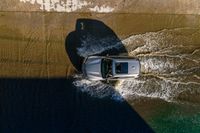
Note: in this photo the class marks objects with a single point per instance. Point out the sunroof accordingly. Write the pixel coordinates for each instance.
(121, 68)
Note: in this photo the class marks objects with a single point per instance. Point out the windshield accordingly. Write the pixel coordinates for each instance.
(106, 68)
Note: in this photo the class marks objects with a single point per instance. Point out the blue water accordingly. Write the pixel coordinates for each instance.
(176, 118)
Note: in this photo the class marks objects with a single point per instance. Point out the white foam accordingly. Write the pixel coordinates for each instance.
(91, 45)
(97, 89)
(68, 5)
(58, 5)
(154, 87)
(166, 71)
(102, 9)
(146, 86)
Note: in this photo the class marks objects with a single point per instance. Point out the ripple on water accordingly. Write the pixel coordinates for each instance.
(170, 66)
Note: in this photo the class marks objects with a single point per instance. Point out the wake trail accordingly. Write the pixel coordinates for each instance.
(170, 65)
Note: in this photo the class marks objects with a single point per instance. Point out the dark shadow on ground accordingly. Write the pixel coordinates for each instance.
(93, 35)
(57, 106)
(41, 105)
(94, 114)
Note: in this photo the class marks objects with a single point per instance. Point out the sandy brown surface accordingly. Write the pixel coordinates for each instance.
(33, 44)
(32, 40)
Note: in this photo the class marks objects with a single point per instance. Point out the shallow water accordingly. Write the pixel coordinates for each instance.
(170, 64)
(168, 47)
(170, 71)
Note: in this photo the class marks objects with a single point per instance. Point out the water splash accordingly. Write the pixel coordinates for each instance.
(170, 63)
(96, 89)
(156, 87)
(91, 45)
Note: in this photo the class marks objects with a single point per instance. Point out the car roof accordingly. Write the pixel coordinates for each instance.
(131, 64)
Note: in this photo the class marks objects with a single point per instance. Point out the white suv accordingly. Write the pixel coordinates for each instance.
(110, 67)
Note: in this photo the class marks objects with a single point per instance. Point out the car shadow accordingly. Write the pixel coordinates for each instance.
(91, 37)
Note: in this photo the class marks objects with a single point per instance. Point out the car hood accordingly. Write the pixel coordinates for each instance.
(93, 68)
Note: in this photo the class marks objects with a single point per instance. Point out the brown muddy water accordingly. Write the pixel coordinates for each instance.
(34, 56)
